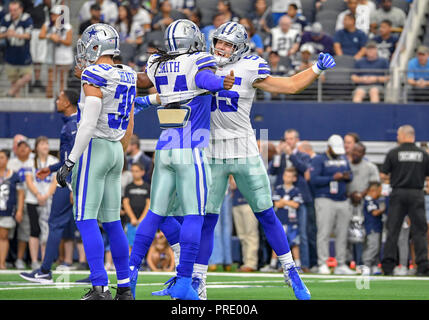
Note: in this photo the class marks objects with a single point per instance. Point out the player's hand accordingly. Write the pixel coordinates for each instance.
(325, 61)
(78, 72)
(141, 103)
(64, 172)
(229, 80)
(43, 173)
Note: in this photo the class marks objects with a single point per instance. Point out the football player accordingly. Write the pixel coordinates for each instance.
(105, 122)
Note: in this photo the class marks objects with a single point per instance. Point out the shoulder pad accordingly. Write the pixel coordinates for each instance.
(204, 60)
(96, 74)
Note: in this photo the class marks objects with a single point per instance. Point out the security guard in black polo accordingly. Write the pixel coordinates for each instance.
(408, 166)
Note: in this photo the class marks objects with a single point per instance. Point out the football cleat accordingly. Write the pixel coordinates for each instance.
(166, 291)
(124, 294)
(97, 293)
(37, 276)
(298, 286)
(182, 289)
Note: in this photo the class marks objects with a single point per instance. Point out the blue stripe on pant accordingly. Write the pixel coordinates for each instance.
(60, 217)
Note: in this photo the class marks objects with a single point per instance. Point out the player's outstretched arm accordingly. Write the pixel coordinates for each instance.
(298, 82)
(206, 79)
(85, 132)
(143, 81)
(143, 103)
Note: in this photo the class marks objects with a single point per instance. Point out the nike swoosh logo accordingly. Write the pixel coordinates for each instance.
(40, 276)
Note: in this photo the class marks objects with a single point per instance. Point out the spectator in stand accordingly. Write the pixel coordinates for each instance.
(38, 199)
(330, 173)
(11, 205)
(350, 140)
(184, 6)
(418, 75)
(287, 200)
(160, 256)
(246, 227)
(283, 39)
(95, 11)
(224, 7)
(109, 11)
(298, 20)
(136, 201)
(261, 17)
(320, 41)
(370, 82)
(196, 17)
(255, 43)
(16, 28)
(207, 31)
(350, 41)
(305, 61)
(373, 208)
(361, 13)
(59, 55)
(39, 14)
(363, 172)
(388, 12)
(290, 157)
(130, 34)
(22, 163)
(134, 154)
(386, 41)
(165, 16)
(279, 8)
(140, 15)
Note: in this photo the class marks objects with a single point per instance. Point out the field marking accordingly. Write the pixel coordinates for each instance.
(239, 275)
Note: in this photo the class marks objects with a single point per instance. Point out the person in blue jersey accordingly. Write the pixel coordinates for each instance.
(233, 148)
(105, 120)
(11, 204)
(184, 77)
(62, 208)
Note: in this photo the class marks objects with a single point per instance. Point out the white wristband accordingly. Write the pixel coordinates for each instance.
(316, 69)
(152, 99)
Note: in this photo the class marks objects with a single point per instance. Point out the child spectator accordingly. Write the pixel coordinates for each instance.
(136, 201)
(11, 204)
(160, 256)
(287, 199)
(373, 208)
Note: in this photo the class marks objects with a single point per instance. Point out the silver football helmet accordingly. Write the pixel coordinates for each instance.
(234, 33)
(97, 40)
(182, 36)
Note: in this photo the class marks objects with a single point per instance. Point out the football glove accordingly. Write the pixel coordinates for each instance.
(325, 61)
(64, 172)
(141, 103)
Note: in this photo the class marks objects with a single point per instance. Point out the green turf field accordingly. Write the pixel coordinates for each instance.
(230, 286)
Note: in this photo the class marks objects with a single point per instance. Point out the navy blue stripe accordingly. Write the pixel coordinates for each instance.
(77, 186)
(94, 76)
(261, 65)
(226, 27)
(204, 60)
(205, 183)
(93, 81)
(211, 64)
(197, 182)
(174, 40)
(232, 27)
(85, 185)
(264, 72)
(168, 37)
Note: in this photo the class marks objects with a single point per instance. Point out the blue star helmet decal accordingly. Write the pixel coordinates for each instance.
(92, 32)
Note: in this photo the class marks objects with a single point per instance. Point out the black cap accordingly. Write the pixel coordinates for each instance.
(95, 6)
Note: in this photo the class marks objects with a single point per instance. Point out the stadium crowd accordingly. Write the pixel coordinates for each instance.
(311, 205)
(362, 34)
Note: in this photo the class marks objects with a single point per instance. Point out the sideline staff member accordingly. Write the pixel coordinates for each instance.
(408, 166)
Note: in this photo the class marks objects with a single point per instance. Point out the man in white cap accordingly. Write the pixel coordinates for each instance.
(330, 172)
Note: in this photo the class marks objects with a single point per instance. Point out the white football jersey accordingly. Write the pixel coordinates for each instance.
(231, 132)
(283, 42)
(118, 85)
(175, 79)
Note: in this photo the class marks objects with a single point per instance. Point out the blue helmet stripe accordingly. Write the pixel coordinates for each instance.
(172, 35)
(226, 27)
(232, 27)
(168, 36)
